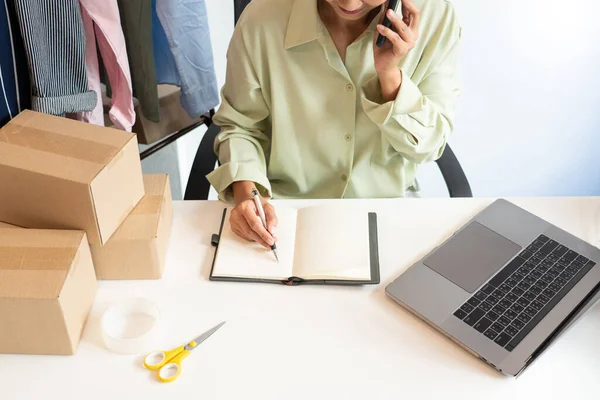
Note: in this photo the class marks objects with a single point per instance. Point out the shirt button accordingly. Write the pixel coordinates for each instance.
(348, 138)
(345, 178)
(349, 87)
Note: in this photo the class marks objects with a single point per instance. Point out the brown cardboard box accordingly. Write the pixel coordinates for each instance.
(47, 288)
(172, 116)
(138, 248)
(7, 226)
(58, 173)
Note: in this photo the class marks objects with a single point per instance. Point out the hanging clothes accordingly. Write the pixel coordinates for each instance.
(102, 24)
(185, 23)
(9, 106)
(166, 70)
(14, 79)
(136, 21)
(55, 47)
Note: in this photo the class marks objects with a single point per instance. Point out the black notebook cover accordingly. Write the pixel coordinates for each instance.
(293, 281)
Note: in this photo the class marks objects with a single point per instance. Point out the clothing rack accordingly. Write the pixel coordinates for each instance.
(206, 119)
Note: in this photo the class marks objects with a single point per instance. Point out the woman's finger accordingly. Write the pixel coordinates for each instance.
(401, 27)
(243, 230)
(238, 229)
(271, 216)
(393, 37)
(255, 224)
(256, 238)
(414, 14)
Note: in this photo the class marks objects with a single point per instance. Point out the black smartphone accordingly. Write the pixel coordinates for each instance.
(394, 5)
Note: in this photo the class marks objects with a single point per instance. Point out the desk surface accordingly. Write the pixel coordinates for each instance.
(311, 341)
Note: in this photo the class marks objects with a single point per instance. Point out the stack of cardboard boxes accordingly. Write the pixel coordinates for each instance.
(91, 215)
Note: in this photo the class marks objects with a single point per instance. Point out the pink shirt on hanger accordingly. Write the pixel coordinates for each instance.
(102, 23)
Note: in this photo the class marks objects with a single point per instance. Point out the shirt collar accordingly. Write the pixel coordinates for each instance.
(303, 25)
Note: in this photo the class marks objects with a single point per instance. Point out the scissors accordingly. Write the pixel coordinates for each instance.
(169, 362)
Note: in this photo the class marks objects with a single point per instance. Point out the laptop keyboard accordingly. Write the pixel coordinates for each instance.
(510, 305)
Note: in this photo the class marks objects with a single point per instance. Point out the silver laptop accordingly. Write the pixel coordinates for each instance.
(504, 286)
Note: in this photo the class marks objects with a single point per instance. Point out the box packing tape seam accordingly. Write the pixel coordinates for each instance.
(75, 262)
(37, 258)
(149, 205)
(63, 145)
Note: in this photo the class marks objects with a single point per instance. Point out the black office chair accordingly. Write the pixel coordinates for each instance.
(198, 186)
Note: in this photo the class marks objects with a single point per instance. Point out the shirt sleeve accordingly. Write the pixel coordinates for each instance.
(242, 143)
(418, 122)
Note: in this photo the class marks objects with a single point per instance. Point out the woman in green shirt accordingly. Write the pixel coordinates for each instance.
(311, 108)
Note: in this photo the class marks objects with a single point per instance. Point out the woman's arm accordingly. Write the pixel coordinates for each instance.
(417, 119)
(242, 143)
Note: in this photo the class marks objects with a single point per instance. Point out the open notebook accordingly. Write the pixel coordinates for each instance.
(324, 244)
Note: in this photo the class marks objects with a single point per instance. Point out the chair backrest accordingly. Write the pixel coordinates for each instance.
(238, 7)
(454, 176)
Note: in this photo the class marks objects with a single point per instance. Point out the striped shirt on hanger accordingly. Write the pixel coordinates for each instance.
(54, 40)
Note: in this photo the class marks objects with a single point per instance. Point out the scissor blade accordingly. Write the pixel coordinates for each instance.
(208, 333)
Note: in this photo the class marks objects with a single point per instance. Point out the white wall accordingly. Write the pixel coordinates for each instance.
(528, 122)
(529, 117)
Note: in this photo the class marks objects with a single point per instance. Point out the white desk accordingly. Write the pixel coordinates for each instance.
(311, 341)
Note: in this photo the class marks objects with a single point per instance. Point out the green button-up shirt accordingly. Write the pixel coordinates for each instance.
(301, 123)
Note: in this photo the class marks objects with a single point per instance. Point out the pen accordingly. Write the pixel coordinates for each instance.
(261, 212)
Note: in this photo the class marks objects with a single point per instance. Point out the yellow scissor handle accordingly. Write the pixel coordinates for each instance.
(171, 371)
(157, 359)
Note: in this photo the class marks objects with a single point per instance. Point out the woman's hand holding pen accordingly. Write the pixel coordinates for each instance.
(400, 40)
(245, 220)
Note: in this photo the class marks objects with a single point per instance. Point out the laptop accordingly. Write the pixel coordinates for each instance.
(504, 286)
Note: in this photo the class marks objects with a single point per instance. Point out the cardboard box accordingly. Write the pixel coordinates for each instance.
(58, 173)
(7, 226)
(47, 288)
(138, 248)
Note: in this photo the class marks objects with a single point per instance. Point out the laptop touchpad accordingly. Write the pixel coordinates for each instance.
(472, 256)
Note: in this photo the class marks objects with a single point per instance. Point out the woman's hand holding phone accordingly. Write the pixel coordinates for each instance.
(400, 39)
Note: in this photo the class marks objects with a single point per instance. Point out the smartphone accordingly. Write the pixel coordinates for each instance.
(395, 5)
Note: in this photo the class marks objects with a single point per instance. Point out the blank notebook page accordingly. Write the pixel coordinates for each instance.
(332, 241)
(238, 258)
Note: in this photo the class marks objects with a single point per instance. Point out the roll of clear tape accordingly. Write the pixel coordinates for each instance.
(131, 326)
